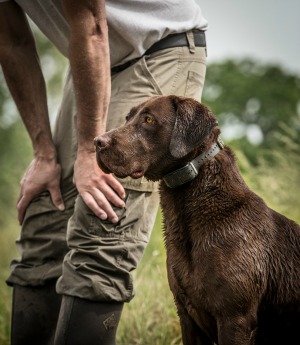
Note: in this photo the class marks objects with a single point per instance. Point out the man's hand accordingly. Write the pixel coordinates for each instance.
(90, 65)
(42, 174)
(21, 67)
(96, 188)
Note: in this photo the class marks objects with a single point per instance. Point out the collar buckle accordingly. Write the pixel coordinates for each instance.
(181, 176)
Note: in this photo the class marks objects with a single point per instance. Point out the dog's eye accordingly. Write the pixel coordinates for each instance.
(149, 120)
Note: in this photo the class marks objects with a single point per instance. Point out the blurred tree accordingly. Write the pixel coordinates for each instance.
(251, 100)
(15, 152)
(54, 66)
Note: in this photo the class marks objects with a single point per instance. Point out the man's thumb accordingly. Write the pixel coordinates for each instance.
(57, 199)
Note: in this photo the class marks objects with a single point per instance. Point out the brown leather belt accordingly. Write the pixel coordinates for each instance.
(171, 41)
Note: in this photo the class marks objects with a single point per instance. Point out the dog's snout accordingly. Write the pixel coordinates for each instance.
(102, 142)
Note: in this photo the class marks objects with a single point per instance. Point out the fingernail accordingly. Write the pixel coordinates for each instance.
(103, 217)
(115, 220)
(61, 207)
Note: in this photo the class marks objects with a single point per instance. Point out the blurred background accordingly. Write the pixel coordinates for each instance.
(252, 85)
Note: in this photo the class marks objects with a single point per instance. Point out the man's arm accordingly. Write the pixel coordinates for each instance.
(90, 65)
(21, 68)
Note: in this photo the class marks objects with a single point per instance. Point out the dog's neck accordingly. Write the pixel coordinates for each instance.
(188, 172)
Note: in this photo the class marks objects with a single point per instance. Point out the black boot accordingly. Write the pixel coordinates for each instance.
(35, 312)
(83, 322)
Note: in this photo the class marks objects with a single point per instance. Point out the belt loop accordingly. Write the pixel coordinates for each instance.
(191, 41)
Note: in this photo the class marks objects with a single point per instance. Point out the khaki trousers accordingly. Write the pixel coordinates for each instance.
(93, 259)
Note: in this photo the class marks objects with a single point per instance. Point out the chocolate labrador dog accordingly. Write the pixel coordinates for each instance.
(233, 263)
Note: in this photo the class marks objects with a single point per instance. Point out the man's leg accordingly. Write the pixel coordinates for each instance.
(97, 270)
(34, 314)
(87, 322)
(42, 245)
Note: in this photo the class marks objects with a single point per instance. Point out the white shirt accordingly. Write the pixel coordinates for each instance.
(133, 25)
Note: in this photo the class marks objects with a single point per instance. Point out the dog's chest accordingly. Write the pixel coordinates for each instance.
(192, 285)
(190, 262)
(190, 268)
(196, 259)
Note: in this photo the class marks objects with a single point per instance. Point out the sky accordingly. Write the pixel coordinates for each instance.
(267, 30)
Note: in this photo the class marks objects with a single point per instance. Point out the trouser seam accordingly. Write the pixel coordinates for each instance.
(179, 64)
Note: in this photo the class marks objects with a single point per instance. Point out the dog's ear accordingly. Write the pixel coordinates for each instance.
(194, 121)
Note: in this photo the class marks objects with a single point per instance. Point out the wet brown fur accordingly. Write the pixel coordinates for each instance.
(233, 263)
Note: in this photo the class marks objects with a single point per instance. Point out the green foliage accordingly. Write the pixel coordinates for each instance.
(15, 152)
(276, 176)
(5, 297)
(54, 65)
(246, 95)
(8, 235)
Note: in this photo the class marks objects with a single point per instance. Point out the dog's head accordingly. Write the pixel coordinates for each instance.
(158, 135)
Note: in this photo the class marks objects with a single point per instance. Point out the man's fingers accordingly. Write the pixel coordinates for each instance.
(100, 206)
(24, 201)
(57, 198)
(100, 191)
(110, 195)
(40, 176)
(22, 205)
(116, 186)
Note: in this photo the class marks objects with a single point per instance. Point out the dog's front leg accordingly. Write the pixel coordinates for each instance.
(191, 332)
(237, 330)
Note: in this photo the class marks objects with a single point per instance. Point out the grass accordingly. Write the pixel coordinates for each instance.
(8, 251)
(150, 318)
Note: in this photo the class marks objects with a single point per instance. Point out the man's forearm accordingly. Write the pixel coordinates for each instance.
(90, 64)
(30, 98)
(21, 68)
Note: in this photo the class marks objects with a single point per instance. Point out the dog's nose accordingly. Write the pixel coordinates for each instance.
(102, 141)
